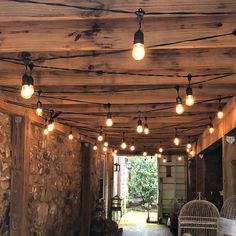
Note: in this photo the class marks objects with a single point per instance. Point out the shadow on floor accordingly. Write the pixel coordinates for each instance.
(134, 224)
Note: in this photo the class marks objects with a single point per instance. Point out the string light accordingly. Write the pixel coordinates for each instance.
(95, 147)
(132, 147)
(160, 148)
(115, 151)
(100, 136)
(220, 113)
(109, 121)
(188, 144)
(138, 51)
(27, 89)
(164, 160)
(146, 129)
(179, 106)
(70, 134)
(176, 139)
(179, 158)
(105, 141)
(189, 92)
(105, 149)
(211, 127)
(144, 151)
(51, 122)
(39, 105)
(156, 155)
(192, 153)
(45, 132)
(140, 124)
(123, 144)
(159, 155)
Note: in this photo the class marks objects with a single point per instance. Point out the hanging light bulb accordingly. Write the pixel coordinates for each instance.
(115, 151)
(132, 147)
(70, 134)
(164, 160)
(109, 121)
(179, 106)
(95, 147)
(176, 139)
(104, 149)
(146, 129)
(39, 105)
(160, 148)
(27, 89)
(140, 124)
(51, 121)
(188, 146)
(189, 93)
(220, 113)
(105, 141)
(144, 151)
(192, 153)
(211, 128)
(156, 155)
(123, 144)
(138, 51)
(179, 158)
(159, 155)
(100, 136)
(45, 132)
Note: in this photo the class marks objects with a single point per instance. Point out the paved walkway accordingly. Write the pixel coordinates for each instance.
(134, 224)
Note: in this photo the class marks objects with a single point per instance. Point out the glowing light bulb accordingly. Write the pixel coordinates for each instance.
(132, 148)
(106, 144)
(70, 136)
(211, 130)
(160, 149)
(39, 111)
(27, 91)
(105, 149)
(164, 160)
(109, 122)
(220, 114)
(156, 155)
(189, 145)
(189, 100)
(187, 150)
(146, 130)
(179, 109)
(139, 129)
(144, 153)
(51, 126)
(95, 147)
(123, 145)
(138, 51)
(179, 158)
(192, 153)
(115, 151)
(176, 141)
(45, 132)
(100, 138)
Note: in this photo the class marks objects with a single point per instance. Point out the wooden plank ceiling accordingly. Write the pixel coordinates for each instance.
(82, 57)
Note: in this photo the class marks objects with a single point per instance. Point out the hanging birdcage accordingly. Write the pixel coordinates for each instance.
(227, 220)
(198, 218)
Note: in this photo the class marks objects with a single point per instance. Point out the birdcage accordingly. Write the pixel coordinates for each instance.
(227, 220)
(198, 218)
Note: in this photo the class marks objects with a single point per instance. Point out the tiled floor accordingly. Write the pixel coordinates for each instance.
(134, 224)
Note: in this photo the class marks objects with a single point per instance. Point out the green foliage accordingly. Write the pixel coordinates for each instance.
(142, 179)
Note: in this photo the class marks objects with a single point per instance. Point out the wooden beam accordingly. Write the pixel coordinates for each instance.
(221, 128)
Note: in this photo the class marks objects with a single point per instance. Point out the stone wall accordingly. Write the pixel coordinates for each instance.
(54, 184)
(5, 166)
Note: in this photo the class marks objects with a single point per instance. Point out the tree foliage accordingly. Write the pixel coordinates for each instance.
(142, 179)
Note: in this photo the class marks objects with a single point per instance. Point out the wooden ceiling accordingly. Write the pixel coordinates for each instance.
(82, 57)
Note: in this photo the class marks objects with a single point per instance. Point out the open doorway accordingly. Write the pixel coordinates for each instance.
(136, 182)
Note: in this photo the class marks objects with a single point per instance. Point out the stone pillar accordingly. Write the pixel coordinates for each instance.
(229, 167)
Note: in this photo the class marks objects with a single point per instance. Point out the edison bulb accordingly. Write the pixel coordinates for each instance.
(179, 158)
(156, 155)
(100, 138)
(179, 109)
(211, 129)
(132, 148)
(146, 130)
(50, 127)
(159, 155)
(109, 122)
(39, 111)
(139, 129)
(95, 147)
(189, 100)
(164, 160)
(192, 153)
(115, 151)
(106, 144)
(45, 132)
(123, 145)
(105, 149)
(220, 114)
(144, 153)
(189, 145)
(27, 91)
(70, 136)
(176, 141)
(187, 150)
(138, 51)
(160, 149)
